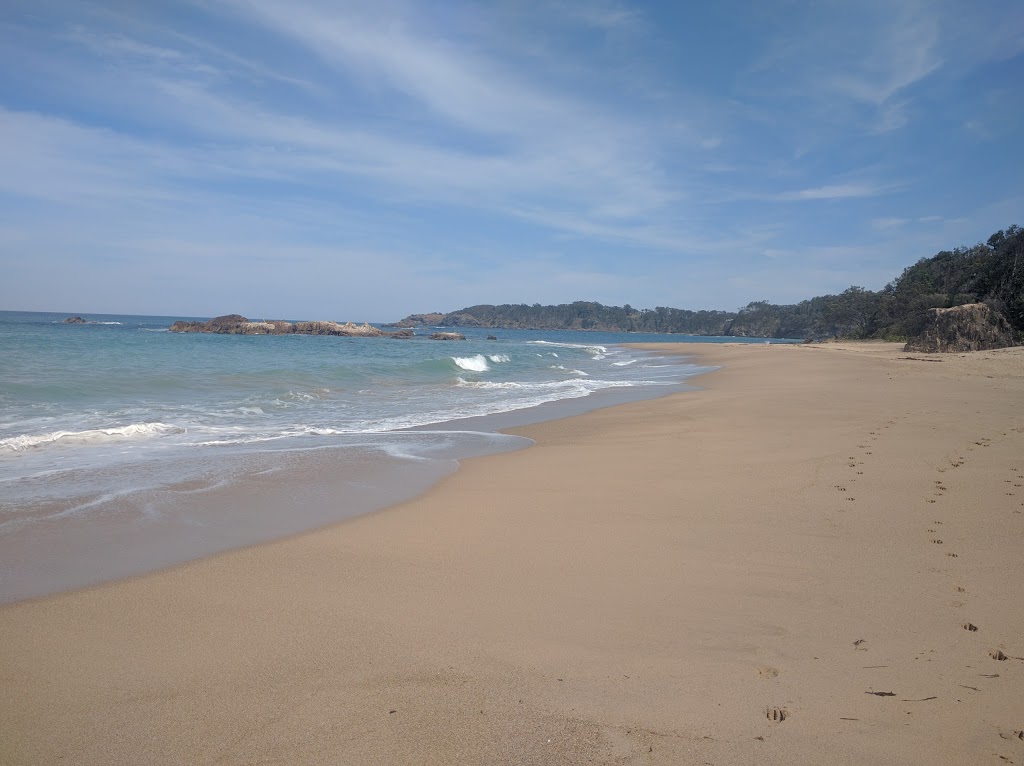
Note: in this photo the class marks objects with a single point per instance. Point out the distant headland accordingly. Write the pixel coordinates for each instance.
(909, 307)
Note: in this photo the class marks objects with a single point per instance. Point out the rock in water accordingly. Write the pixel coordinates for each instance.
(236, 324)
(971, 327)
(74, 320)
(447, 336)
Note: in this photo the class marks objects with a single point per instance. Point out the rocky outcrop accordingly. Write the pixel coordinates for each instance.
(74, 320)
(447, 336)
(420, 320)
(971, 327)
(236, 324)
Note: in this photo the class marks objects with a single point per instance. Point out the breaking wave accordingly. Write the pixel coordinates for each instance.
(132, 431)
(476, 363)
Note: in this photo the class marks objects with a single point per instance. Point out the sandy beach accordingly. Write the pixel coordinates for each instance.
(817, 558)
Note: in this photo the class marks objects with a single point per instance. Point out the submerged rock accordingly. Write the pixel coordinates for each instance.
(971, 327)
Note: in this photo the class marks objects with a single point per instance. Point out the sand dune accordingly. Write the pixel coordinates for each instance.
(815, 559)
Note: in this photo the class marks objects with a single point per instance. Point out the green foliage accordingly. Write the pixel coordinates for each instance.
(992, 273)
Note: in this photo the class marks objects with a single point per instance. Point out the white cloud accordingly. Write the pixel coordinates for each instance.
(832, 191)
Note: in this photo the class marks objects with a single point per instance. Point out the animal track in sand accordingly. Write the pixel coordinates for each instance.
(936, 541)
(929, 499)
(997, 654)
(777, 714)
(960, 589)
(951, 555)
(767, 672)
(970, 626)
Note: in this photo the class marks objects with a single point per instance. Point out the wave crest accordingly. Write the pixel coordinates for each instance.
(131, 431)
(476, 363)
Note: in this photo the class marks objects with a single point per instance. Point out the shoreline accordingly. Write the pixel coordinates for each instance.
(646, 582)
(233, 501)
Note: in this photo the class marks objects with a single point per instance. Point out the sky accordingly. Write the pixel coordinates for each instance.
(365, 161)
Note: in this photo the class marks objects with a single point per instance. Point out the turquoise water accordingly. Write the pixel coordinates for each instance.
(132, 440)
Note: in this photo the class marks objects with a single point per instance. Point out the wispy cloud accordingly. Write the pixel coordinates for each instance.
(831, 192)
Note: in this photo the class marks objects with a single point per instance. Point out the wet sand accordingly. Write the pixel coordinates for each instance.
(815, 559)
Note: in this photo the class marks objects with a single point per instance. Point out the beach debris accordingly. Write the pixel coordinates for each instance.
(970, 626)
(997, 654)
(925, 699)
(882, 694)
(989, 675)
(390, 712)
(841, 718)
(972, 688)
(777, 714)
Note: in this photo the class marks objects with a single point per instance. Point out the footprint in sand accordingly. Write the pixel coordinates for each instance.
(767, 672)
(997, 654)
(970, 626)
(777, 714)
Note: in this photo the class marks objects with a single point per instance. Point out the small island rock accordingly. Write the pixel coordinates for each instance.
(447, 336)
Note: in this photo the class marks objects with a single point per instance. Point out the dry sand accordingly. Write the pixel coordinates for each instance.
(807, 534)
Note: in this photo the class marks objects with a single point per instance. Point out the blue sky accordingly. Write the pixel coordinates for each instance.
(364, 161)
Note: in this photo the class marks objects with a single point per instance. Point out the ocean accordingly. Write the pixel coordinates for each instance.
(124, 447)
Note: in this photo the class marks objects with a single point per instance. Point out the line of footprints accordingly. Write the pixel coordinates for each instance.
(938, 490)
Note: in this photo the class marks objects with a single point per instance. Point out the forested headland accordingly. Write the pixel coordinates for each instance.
(991, 273)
